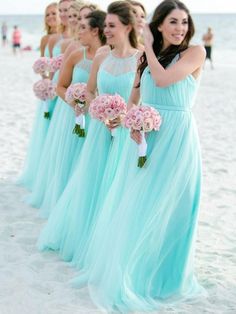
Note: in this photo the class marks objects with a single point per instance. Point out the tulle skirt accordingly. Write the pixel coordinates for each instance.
(61, 152)
(36, 144)
(73, 214)
(140, 253)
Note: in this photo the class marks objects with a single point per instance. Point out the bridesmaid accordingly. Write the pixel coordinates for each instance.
(40, 127)
(47, 166)
(76, 70)
(77, 13)
(140, 17)
(51, 21)
(56, 40)
(141, 253)
(112, 72)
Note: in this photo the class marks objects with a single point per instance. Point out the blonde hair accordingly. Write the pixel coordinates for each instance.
(90, 6)
(77, 5)
(46, 26)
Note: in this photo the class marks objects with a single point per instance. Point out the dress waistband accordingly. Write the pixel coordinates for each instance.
(160, 107)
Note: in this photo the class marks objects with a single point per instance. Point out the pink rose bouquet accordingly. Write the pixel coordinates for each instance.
(55, 63)
(107, 107)
(76, 94)
(42, 66)
(45, 89)
(143, 119)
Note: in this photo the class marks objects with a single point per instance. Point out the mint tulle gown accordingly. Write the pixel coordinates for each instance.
(61, 149)
(37, 138)
(74, 215)
(140, 256)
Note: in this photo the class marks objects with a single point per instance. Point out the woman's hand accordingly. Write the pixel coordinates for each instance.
(147, 35)
(112, 124)
(136, 136)
(80, 110)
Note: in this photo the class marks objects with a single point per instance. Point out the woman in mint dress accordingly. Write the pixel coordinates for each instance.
(141, 252)
(62, 147)
(113, 72)
(40, 125)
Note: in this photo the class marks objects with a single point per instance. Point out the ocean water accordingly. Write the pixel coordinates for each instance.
(223, 25)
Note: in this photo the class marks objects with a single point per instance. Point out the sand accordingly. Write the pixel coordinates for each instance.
(34, 282)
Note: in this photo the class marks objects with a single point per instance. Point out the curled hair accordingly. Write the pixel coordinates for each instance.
(47, 27)
(77, 5)
(96, 19)
(166, 56)
(137, 4)
(124, 12)
(90, 6)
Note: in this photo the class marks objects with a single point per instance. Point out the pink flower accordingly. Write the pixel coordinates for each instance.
(44, 89)
(107, 107)
(42, 66)
(76, 93)
(143, 118)
(55, 63)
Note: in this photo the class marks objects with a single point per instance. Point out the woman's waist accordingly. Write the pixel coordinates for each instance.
(174, 108)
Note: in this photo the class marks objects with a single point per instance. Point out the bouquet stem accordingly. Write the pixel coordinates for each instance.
(82, 133)
(47, 115)
(141, 161)
(142, 151)
(76, 129)
(45, 109)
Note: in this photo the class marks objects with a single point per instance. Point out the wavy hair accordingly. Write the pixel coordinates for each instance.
(166, 56)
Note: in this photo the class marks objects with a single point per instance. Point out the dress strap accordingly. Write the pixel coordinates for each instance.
(85, 53)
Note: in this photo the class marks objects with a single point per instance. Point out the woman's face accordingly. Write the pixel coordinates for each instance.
(73, 18)
(85, 33)
(83, 13)
(51, 16)
(115, 31)
(139, 19)
(64, 12)
(174, 28)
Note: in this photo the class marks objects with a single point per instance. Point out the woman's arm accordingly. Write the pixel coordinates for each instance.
(190, 62)
(43, 43)
(66, 72)
(92, 82)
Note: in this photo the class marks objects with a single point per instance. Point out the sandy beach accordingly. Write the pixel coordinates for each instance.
(39, 283)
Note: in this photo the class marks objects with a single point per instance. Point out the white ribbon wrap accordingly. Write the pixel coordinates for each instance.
(45, 106)
(80, 120)
(142, 148)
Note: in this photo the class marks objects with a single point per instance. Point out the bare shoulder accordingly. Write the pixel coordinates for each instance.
(76, 55)
(195, 51)
(98, 59)
(103, 49)
(45, 39)
(53, 38)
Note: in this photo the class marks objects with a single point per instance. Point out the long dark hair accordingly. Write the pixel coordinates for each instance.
(96, 19)
(167, 55)
(124, 12)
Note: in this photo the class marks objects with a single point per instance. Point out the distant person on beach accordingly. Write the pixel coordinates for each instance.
(4, 33)
(16, 39)
(208, 41)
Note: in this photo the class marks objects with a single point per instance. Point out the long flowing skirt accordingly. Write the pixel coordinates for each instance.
(36, 144)
(141, 251)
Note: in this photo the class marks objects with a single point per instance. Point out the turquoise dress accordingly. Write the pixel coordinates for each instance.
(140, 256)
(61, 149)
(37, 140)
(74, 216)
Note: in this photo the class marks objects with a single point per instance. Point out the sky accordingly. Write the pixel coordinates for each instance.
(195, 6)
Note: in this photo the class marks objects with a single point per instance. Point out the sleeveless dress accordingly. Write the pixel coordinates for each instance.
(61, 149)
(140, 256)
(37, 140)
(74, 215)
